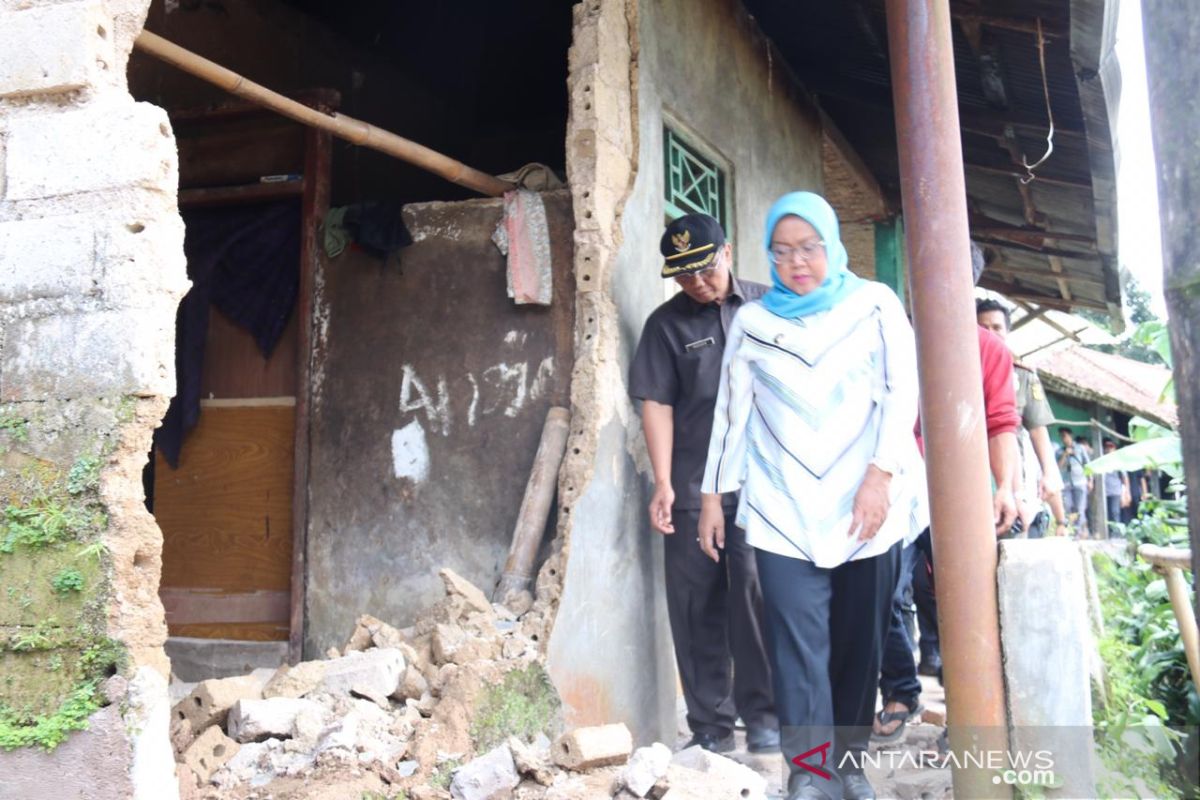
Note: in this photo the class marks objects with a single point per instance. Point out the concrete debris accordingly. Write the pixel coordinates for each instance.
(295, 681)
(734, 779)
(645, 767)
(405, 708)
(208, 753)
(372, 674)
(209, 703)
(458, 586)
(589, 748)
(256, 720)
(532, 760)
(489, 777)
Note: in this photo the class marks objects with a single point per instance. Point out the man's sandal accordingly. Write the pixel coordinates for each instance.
(886, 717)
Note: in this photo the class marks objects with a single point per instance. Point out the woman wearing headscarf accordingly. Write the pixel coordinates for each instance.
(814, 424)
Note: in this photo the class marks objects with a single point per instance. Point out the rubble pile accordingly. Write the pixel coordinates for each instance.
(456, 706)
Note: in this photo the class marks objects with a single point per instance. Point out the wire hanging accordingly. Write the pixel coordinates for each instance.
(1029, 168)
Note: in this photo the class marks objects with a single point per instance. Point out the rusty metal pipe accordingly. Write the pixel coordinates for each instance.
(933, 190)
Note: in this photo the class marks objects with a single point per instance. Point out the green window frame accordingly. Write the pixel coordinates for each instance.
(693, 184)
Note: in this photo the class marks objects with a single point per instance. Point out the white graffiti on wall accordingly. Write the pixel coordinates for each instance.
(410, 454)
(502, 389)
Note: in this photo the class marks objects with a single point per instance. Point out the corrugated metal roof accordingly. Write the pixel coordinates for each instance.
(1065, 218)
(1132, 387)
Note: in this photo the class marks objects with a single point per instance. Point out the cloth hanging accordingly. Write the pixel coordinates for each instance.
(245, 260)
(377, 228)
(524, 237)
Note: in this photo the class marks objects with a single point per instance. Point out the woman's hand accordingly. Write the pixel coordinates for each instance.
(871, 504)
(711, 533)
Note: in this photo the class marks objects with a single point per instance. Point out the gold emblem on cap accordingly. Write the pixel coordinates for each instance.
(682, 240)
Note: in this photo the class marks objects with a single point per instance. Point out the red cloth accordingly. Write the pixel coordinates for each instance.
(999, 394)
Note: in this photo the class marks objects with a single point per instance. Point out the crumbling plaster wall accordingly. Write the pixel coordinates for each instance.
(632, 63)
(91, 272)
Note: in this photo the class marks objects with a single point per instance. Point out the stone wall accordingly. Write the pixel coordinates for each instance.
(91, 271)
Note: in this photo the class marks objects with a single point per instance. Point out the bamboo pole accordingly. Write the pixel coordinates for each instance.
(535, 507)
(1171, 562)
(348, 128)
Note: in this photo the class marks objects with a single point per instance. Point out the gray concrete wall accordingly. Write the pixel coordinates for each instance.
(610, 653)
(426, 359)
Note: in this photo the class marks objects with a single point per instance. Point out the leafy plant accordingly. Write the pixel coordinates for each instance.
(67, 581)
(523, 704)
(1149, 689)
(84, 475)
(17, 427)
(50, 730)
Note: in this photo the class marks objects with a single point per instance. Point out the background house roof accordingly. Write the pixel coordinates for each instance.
(1131, 387)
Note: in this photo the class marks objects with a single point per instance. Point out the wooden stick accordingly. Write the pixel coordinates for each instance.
(535, 507)
(348, 128)
(1170, 562)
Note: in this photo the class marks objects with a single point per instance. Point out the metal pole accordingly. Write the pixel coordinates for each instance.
(952, 416)
(348, 128)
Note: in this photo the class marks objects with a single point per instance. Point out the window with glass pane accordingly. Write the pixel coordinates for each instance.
(694, 184)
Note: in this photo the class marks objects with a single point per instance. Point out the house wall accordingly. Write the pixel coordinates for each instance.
(707, 66)
(91, 272)
(429, 396)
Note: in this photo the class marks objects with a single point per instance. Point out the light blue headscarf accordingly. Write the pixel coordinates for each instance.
(839, 280)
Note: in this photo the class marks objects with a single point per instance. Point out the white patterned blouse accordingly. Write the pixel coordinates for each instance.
(805, 406)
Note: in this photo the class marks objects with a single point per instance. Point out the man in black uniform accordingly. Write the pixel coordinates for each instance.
(715, 609)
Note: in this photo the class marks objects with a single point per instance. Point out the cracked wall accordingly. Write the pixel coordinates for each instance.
(633, 64)
(91, 272)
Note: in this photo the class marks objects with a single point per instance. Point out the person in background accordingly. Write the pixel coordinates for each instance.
(1116, 486)
(814, 424)
(1039, 479)
(715, 609)
(1072, 458)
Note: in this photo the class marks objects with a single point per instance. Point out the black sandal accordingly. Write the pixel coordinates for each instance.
(902, 717)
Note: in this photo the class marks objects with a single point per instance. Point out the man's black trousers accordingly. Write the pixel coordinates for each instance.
(716, 612)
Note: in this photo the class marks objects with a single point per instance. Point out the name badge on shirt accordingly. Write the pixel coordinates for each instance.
(700, 344)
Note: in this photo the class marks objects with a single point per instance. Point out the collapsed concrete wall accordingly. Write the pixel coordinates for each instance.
(91, 271)
(430, 391)
(634, 65)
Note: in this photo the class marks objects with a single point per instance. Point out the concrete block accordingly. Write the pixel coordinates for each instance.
(295, 681)
(691, 784)
(101, 353)
(412, 684)
(645, 767)
(104, 145)
(209, 703)
(373, 674)
(489, 777)
(209, 752)
(44, 258)
(457, 585)
(55, 48)
(256, 720)
(447, 640)
(741, 780)
(1044, 620)
(94, 764)
(598, 746)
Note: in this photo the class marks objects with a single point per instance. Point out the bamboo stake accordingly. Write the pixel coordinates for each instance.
(348, 128)
(1171, 562)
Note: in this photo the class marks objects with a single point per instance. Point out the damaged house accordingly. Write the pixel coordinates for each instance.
(258, 379)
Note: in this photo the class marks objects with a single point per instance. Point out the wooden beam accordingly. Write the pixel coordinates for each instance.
(1051, 29)
(317, 169)
(1029, 317)
(1017, 173)
(1041, 251)
(1072, 335)
(1029, 272)
(985, 226)
(237, 195)
(1056, 266)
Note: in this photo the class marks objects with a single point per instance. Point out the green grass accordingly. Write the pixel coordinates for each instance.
(523, 704)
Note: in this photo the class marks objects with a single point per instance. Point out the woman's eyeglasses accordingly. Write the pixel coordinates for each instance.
(804, 253)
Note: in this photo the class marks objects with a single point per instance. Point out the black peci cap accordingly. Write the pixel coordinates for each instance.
(690, 244)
